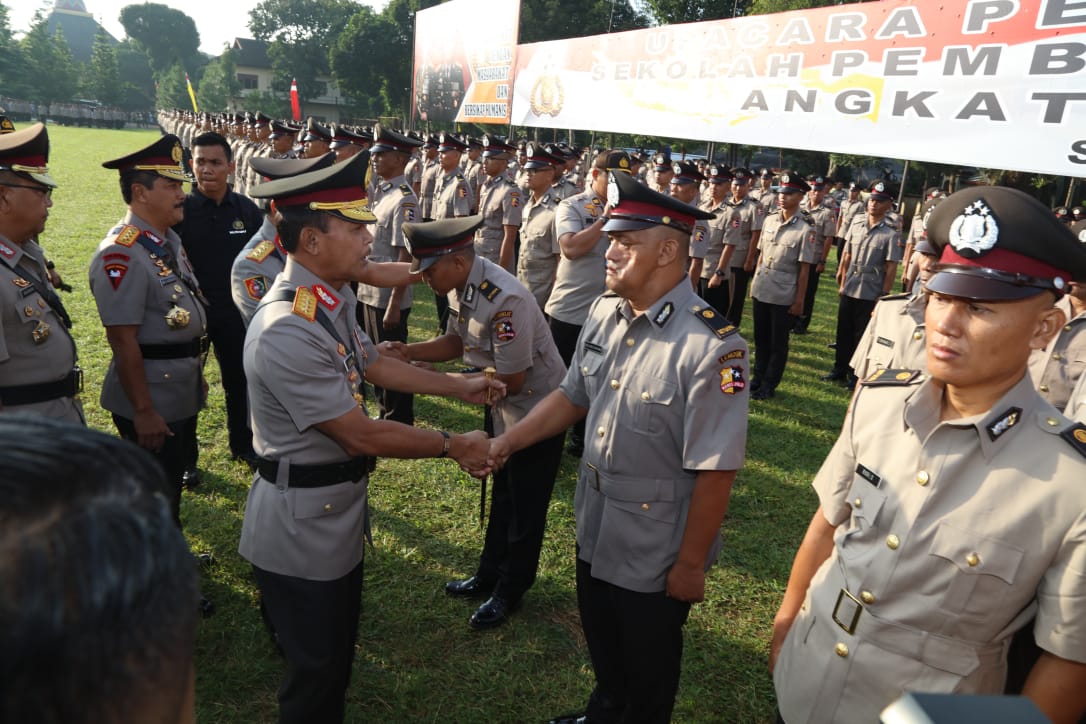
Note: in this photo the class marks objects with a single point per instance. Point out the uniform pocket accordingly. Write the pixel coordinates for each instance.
(326, 501)
(866, 502)
(646, 399)
(984, 569)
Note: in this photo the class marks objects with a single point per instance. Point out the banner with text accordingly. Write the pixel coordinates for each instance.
(988, 83)
(464, 70)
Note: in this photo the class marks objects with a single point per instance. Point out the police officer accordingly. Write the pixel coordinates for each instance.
(500, 204)
(563, 188)
(496, 323)
(917, 232)
(684, 186)
(317, 140)
(38, 365)
(868, 270)
(472, 166)
(431, 168)
(306, 517)
(824, 217)
(347, 142)
(537, 263)
(579, 279)
(662, 379)
(452, 193)
(742, 219)
(763, 193)
(787, 248)
(282, 140)
(951, 508)
(151, 306)
(662, 172)
(1056, 368)
(853, 205)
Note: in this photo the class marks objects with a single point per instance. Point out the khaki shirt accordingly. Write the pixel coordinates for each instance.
(299, 376)
(133, 287)
(894, 338)
(784, 247)
(849, 210)
(473, 174)
(1057, 368)
(578, 281)
(35, 346)
(539, 249)
(870, 248)
(452, 196)
(951, 536)
(254, 270)
(1076, 403)
(563, 189)
(398, 204)
(667, 396)
(737, 223)
(430, 171)
(501, 326)
(501, 205)
(699, 239)
(825, 219)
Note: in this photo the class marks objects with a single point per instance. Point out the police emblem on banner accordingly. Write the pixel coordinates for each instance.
(547, 96)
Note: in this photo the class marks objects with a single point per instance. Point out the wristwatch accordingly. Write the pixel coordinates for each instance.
(719, 272)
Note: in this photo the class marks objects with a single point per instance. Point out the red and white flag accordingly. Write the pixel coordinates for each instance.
(295, 105)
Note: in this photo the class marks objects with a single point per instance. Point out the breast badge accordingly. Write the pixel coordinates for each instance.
(177, 318)
(40, 333)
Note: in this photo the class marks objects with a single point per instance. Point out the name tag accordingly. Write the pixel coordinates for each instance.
(868, 475)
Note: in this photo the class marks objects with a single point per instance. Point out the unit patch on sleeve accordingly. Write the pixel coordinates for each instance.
(731, 380)
(257, 287)
(503, 326)
(115, 273)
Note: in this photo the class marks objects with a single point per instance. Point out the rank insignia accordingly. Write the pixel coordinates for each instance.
(503, 326)
(6, 251)
(462, 192)
(261, 251)
(731, 380)
(115, 273)
(714, 321)
(256, 287)
(409, 212)
(305, 304)
(887, 377)
(341, 350)
(1005, 422)
(128, 236)
(1076, 435)
(664, 314)
(405, 190)
(326, 297)
(488, 290)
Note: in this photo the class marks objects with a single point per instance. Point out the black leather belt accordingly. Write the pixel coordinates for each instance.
(68, 386)
(182, 350)
(318, 476)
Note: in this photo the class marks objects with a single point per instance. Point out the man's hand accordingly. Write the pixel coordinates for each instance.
(686, 583)
(470, 450)
(797, 307)
(392, 316)
(151, 430)
(781, 627)
(395, 350)
(715, 281)
(500, 450)
(478, 390)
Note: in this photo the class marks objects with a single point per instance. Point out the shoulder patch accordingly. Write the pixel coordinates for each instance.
(128, 236)
(488, 290)
(887, 377)
(720, 326)
(256, 287)
(261, 251)
(891, 297)
(1076, 435)
(305, 304)
(405, 189)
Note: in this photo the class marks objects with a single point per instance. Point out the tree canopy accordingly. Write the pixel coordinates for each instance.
(169, 37)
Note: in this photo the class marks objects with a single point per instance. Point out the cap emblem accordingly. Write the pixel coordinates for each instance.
(623, 163)
(785, 179)
(612, 192)
(880, 187)
(176, 153)
(975, 231)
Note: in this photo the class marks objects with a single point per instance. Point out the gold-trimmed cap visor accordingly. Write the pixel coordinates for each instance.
(27, 152)
(339, 190)
(163, 157)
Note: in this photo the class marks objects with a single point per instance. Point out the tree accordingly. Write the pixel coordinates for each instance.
(167, 36)
(136, 80)
(558, 19)
(370, 42)
(691, 11)
(300, 34)
(171, 91)
(103, 73)
(12, 73)
(48, 61)
(219, 83)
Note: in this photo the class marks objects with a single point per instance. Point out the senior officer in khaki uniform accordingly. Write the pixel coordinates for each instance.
(306, 516)
(150, 304)
(385, 310)
(537, 264)
(1057, 368)
(873, 250)
(952, 508)
(662, 379)
(500, 204)
(742, 219)
(495, 322)
(38, 368)
(787, 248)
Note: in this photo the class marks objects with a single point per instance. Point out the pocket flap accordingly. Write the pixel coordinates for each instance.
(973, 553)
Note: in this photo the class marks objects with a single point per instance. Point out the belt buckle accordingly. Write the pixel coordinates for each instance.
(852, 610)
(595, 475)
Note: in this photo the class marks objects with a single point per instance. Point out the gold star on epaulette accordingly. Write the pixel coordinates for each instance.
(305, 304)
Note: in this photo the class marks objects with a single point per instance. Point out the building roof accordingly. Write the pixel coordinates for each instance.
(79, 27)
(251, 53)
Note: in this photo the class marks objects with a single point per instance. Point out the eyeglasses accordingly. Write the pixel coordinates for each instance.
(46, 190)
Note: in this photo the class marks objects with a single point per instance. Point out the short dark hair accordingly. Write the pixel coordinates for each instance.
(293, 220)
(214, 139)
(143, 178)
(98, 590)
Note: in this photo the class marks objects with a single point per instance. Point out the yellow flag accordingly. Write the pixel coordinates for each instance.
(192, 93)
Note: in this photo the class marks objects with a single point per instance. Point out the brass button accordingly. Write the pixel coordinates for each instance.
(1056, 356)
(1051, 421)
(629, 342)
(600, 431)
(841, 650)
(972, 559)
(614, 384)
(1043, 388)
(867, 597)
(644, 506)
(646, 396)
(165, 375)
(1067, 328)
(858, 503)
(918, 335)
(923, 478)
(697, 307)
(892, 542)
(327, 507)
(584, 370)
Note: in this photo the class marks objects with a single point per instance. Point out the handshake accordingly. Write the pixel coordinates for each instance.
(478, 454)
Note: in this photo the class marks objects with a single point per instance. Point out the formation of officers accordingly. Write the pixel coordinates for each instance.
(599, 294)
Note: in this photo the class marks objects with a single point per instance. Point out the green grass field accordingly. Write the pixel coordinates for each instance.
(417, 659)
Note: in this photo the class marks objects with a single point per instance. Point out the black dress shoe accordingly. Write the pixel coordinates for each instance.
(191, 479)
(471, 588)
(762, 393)
(494, 612)
(206, 561)
(833, 376)
(578, 718)
(207, 608)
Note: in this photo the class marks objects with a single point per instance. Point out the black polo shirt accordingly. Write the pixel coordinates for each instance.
(212, 235)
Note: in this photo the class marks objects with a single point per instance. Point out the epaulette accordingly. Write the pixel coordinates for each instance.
(127, 236)
(305, 304)
(405, 190)
(720, 326)
(892, 297)
(1076, 435)
(887, 377)
(806, 216)
(261, 251)
(609, 294)
(459, 175)
(488, 290)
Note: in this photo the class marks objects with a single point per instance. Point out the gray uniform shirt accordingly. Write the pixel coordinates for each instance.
(739, 221)
(452, 196)
(131, 286)
(894, 338)
(578, 281)
(783, 247)
(849, 211)
(501, 325)
(666, 393)
(539, 249)
(501, 205)
(1057, 368)
(298, 376)
(950, 537)
(398, 204)
(254, 270)
(870, 248)
(430, 171)
(35, 346)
